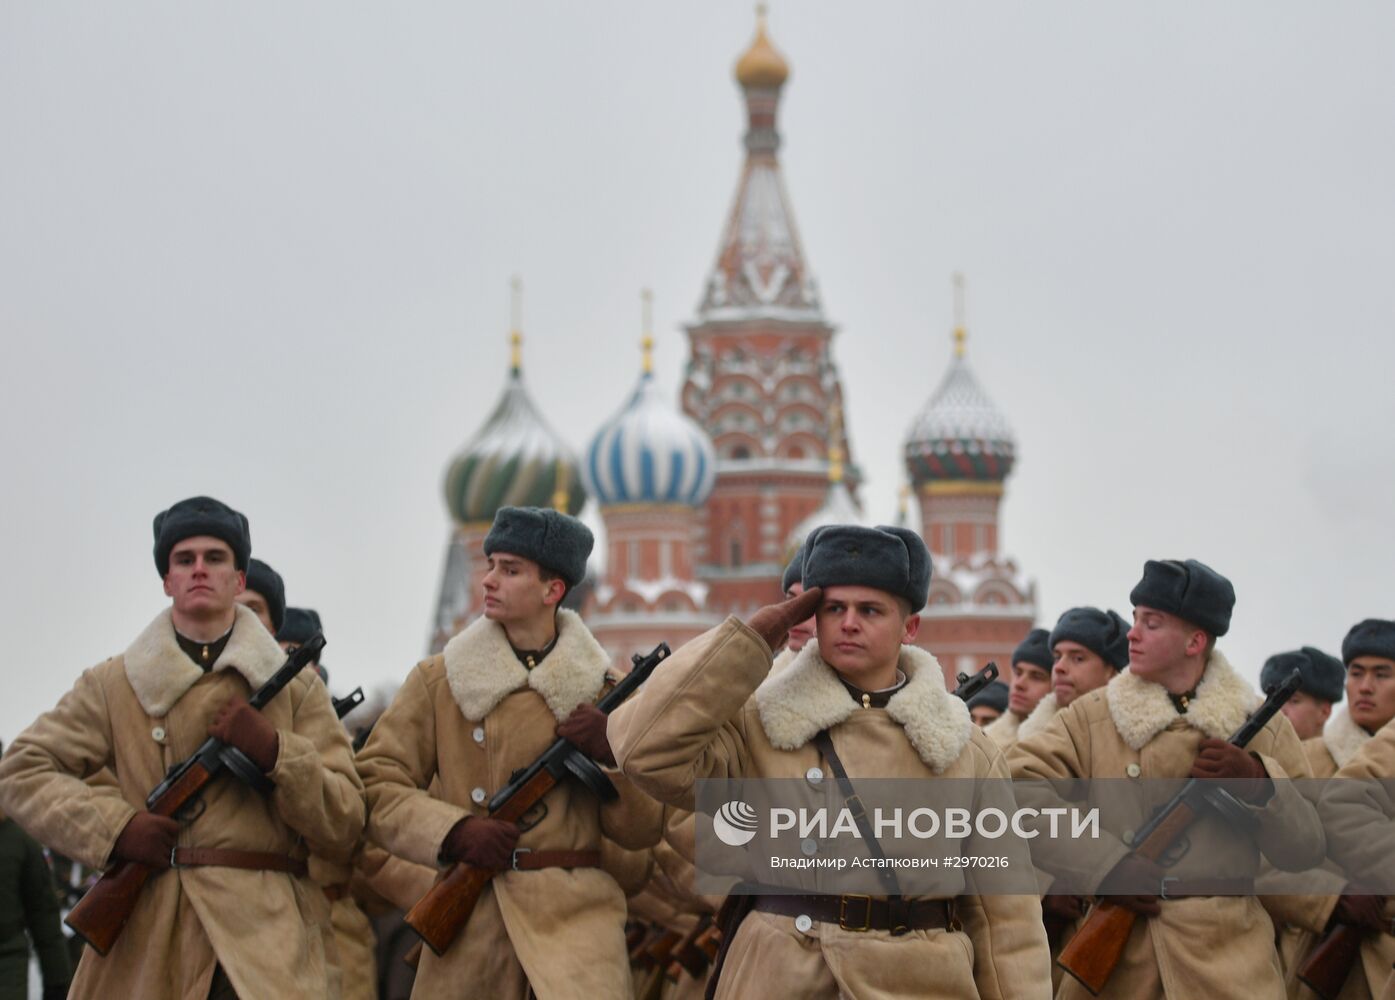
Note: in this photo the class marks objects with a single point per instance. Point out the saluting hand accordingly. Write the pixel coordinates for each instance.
(481, 842)
(585, 730)
(774, 621)
(244, 727)
(147, 839)
(1244, 775)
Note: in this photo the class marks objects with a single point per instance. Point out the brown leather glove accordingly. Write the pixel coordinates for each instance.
(774, 621)
(1243, 774)
(481, 842)
(585, 730)
(244, 727)
(147, 839)
(1062, 909)
(1121, 886)
(1366, 912)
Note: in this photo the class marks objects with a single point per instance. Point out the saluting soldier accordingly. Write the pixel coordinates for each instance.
(883, 704)
(494, 699)
(1029, 680)
(237, 916)
(1168, 715)
(1369, 653)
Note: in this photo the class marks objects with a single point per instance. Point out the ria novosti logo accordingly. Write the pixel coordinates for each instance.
(735, 823)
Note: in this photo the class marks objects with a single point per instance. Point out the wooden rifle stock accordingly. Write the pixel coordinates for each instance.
(1092, 954)
(442, 912)
(1328, 965)
(439, 915)
(101, 914)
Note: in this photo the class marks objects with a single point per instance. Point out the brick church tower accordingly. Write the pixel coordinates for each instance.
(959, 453)
(760, 376)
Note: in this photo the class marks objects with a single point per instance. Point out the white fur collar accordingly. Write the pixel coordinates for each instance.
(807, 696)
(783, 659)
(1343, 738)
(1005, 729)
(160, 673)
(482, 669)
(1040, 718)
(1142, 709)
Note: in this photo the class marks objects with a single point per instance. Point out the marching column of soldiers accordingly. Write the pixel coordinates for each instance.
(243, 840)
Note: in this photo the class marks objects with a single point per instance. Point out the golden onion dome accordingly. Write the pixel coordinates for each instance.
(760, 65)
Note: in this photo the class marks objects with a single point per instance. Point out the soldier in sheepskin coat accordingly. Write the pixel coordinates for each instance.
(1194, 942)
(707, 714)
(207, 926)
(461, 724)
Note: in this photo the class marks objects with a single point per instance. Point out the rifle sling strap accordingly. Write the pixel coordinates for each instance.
(899, 908)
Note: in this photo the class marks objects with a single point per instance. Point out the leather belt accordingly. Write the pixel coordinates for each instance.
(525, 860)
(1182, 888)
(334, 893)
(856, 912)
(219, 857)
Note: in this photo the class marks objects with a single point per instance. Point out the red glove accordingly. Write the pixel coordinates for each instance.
(1366, 912)
(585, 730)
(1124, 880)
(1244, 775)
(244, 727)
(774, 621)
(147, 839)
(481, 842)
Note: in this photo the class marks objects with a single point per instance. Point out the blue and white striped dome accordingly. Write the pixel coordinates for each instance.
(649, 452)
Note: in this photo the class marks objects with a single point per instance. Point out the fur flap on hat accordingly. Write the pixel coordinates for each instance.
(1040, 718)
(159, 672)
(1142, 709)
(482, 669)
(1005, 730)
(807, 696)
(1343, 737)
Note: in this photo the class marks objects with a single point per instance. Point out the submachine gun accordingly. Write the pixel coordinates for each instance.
(970, 686)
(102, 913)
(1092, 954)
(442, 912)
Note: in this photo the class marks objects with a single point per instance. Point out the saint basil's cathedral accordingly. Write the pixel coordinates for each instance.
(704, 503)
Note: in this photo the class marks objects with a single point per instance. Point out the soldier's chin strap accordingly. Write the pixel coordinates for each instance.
(899, 908)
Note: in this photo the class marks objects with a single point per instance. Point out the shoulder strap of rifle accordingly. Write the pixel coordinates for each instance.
(885, 873)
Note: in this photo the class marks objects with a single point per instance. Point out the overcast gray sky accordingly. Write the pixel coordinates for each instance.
(263, 253)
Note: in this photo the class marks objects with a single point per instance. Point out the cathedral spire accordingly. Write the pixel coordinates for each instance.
(516, 325)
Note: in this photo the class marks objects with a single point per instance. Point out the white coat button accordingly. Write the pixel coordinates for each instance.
(1128, 837)
(809, 846)
(158, 734)
(1133, 770)
(803, 923)
(478, 734)
(814, 775)
(477, 796)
